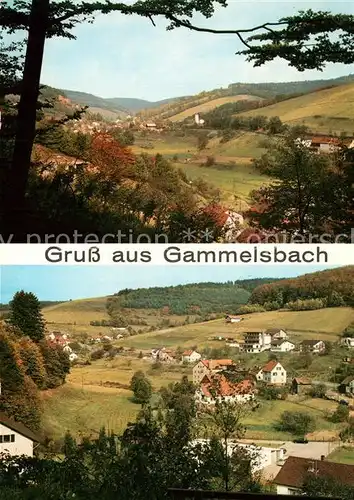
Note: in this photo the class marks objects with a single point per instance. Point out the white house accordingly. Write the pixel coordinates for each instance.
(295, 471)
(272, 373)
(15, 438)
(282, 346)
(315, 346)
(219, 388)
(233, 319)
(277, 333)
(255, 342)
(191, 356)
(347, 342)
(261, 457)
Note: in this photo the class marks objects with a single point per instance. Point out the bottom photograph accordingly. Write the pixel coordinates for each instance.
(156, 382)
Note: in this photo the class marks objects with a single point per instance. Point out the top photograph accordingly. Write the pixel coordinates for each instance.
(192, 121)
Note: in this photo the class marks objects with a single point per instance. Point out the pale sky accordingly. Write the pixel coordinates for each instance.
(77, 282)
(126, 56)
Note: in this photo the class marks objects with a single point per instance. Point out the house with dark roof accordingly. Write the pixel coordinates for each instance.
(282, 346)
(277, 333)
(300, 385)
(272, 373)
(15, 438)
(295, 471)
(314, 346)
(347, 385)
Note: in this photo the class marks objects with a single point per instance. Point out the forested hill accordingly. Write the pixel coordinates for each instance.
(335, 287)
(195, 298)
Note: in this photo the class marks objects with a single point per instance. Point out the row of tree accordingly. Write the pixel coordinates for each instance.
(335, 287)
(28, 363)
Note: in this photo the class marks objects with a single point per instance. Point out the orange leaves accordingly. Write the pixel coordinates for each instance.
(113, 161)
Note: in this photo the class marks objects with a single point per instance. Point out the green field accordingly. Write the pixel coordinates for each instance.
(344, 455)
(84, 404)
(210, 105)
(322, 111)
(74, 317)
(233, 172)
(322, 324)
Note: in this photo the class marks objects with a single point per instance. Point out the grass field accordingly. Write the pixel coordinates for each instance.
(323, 111)
(322, 324)
(83, 405)
(344, 455)
(210, 105)
(75, 316)
(238, 180)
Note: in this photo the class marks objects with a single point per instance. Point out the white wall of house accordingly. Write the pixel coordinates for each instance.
(199, 372)
(285, 346)
(236, 398)
(192, 358)
(21, 445)
(287, 490)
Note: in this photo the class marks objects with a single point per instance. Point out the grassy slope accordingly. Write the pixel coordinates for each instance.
(239, 181)
(322, 111)
(322, 324)
(210, 105)
(344, 455)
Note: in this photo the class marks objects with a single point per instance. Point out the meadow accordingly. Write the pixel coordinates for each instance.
(324, 324)
(324, 111)
(233, 173)
(84, 405)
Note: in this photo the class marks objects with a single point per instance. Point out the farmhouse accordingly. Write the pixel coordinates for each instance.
(347, 342)
(295, 471)
(208, 367)
(166, 356)
(272, 373)
(233, 319)
(277, 333)
(300, 385)
(282, 346)
(219, 388)
(191, 356)
(15, 438)
(348, 385)
(255, 342)
(315, 346)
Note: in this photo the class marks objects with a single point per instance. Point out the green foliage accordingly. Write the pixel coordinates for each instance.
(349, 331)
(198, 298)
(341, 414)
(306, 305)
(56, 363)
(141, 387)
(304, 41)
(318, 391)
(25, 314)
(297, 422)
(250, 308)
(319, 286)
(301, 200)
(323, 486)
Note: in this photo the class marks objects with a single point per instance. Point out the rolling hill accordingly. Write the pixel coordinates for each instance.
(322, 111)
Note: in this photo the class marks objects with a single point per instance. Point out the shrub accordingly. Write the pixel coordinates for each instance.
(306, 305)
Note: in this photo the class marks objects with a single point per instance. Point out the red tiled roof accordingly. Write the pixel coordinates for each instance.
(217, 213)
(325, 140)
(224, 387)
(187, 353)
(214, 363)
(270, 366)
(295, 471)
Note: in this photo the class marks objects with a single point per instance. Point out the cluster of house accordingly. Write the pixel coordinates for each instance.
(213, 379)
(62, 339)
(323, 144)
(273, 339)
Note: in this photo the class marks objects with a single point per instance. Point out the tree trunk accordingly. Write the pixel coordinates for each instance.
(14, 196)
